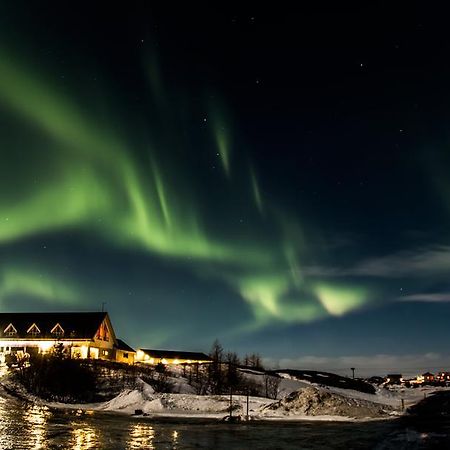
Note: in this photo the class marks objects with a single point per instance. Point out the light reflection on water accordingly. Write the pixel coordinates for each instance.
(25, 427)
(35, 422)
(141, 436)
(84, 437)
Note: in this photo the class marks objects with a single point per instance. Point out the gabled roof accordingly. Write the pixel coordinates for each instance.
(76, 325)
(121, 345)
(174, 354)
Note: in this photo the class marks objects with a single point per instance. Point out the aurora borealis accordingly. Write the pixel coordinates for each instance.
(266, 180)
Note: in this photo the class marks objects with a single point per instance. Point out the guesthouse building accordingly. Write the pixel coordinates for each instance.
(83, 335)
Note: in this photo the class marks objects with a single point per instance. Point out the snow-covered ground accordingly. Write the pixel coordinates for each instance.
(311, 402)
(297, 400)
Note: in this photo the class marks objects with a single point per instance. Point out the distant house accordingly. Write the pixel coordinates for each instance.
(443, 376)
(394, 378)
(147, 356)
(428, 377)
(82, 334)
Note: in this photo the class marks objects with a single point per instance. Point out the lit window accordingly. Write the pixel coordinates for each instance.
(34, 330)
(10, 330)
(57, 330)
(103, 332)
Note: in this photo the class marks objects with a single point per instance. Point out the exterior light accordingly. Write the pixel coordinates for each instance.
(45, 346)
(84, 351)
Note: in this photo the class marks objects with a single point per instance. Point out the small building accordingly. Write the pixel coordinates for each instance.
(394, 378)
(84, 335)
(172, 357)
(428, 377)
(443, 377)
(124, 353)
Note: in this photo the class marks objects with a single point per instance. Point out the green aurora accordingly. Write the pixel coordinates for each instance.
(101, 185)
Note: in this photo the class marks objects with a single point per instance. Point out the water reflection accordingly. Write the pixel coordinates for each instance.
(175, 439)
(25, 426)
(84, 436)
(141, 436)
(35, 421)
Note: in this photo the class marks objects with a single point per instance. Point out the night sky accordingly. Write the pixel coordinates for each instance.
(275, 179)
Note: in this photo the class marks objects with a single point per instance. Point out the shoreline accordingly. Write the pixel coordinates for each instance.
(179, 416)
(303, 403)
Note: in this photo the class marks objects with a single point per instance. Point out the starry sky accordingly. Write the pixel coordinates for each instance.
(275, 179)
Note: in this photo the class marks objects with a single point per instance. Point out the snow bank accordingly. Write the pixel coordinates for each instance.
(176, 404)
(307, 403)
(313, 401)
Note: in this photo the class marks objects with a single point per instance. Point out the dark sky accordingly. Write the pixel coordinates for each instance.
(276, 179)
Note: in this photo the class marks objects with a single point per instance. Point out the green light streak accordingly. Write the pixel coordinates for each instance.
(72, 199)
(15, 281)
(340, 300)
(162, 197)
(222, 138)
(256, 191)
(223, 148)
(263, 294)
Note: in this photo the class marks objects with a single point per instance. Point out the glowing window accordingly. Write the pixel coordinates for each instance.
(57, 330)
(34, 330)
(103, 332)
(10, 330)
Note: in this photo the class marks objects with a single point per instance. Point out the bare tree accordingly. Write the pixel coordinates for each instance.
(233, 376)
(271, 385)
(215, 375)
(254, 360)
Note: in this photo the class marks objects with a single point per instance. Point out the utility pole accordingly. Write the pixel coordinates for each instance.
(353, 371)
(247, 402)
(231, 403)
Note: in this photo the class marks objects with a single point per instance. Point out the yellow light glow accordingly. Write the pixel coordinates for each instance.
(176, 361)
(164, 361)
(147, 357)
(139, 354)
(84, 351)
(152, 361)
(45, 346)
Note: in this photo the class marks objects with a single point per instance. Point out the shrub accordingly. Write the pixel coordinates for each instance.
(56, 379)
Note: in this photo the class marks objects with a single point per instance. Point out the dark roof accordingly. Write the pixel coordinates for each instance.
(175, 354)
(76, 325)
(121, 345)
